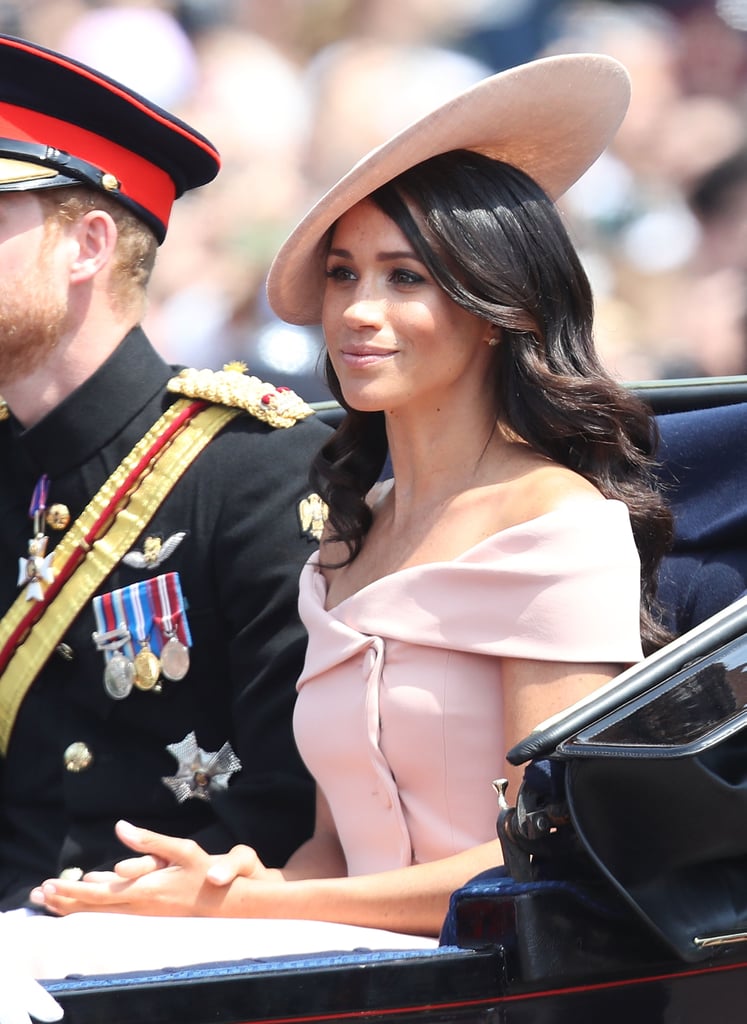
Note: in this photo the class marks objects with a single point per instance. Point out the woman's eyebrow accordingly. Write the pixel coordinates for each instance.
(394, 254)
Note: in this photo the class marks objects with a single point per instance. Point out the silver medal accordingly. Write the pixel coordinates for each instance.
(119, 676)
(174, 659)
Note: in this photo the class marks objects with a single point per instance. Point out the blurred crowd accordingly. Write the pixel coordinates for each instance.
(294, 91)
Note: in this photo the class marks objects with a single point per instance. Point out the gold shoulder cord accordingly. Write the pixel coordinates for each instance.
(278, 406)
(103, 552)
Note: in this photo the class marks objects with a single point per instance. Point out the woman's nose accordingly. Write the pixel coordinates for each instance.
(364, 310)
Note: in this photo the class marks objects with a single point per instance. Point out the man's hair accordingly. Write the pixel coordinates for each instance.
(136, 248)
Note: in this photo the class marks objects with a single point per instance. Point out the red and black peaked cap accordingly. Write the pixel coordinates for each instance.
(63, 123)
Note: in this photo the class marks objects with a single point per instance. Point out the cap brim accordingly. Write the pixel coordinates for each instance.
(19, 174)
(551, 118)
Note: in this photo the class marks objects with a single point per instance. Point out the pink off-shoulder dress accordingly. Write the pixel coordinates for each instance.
(400, 718)
(399, 714)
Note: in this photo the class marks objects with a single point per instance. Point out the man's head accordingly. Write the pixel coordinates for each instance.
(89, 171)
(63, 124)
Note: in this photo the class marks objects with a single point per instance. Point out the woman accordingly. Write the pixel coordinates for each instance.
(495, 577)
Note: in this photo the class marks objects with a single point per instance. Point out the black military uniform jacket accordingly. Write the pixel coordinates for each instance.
(79, 760)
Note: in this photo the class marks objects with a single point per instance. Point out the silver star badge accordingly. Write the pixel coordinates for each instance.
(200, 772)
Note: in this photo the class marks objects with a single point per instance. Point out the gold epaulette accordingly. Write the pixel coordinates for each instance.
(278, 406)
(4, 410)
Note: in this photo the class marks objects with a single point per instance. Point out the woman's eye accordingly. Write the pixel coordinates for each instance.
(340, 273)
(401, 276)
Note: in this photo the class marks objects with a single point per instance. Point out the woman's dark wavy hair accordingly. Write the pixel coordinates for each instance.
(496, 244)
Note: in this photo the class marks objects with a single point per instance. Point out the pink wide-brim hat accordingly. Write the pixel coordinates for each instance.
(552, 118)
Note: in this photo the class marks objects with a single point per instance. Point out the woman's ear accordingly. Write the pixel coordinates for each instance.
(95, 236)
(493, 336)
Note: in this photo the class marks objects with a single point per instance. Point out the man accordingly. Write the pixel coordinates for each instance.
(703, 468)
(152, 528)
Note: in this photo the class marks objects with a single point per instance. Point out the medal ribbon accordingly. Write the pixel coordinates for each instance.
(39, 501)
(113, 634)
(103, 610)
(166, 599)
(120, 617)
(97, 541)
(138, 611)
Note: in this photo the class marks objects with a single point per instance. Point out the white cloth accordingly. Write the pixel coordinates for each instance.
(88, 943)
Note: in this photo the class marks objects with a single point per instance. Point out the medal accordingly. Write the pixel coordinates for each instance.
(147, 668)
(174, 659)
(119, 676)
(169, 617)
(201, 772)
(119, 672)
(143, 634)
(36, 568)
(147, 665)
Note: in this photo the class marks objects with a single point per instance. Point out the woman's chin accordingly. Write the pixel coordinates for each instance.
(366, 399)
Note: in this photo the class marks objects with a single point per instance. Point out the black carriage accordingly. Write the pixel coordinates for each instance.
(627, 898)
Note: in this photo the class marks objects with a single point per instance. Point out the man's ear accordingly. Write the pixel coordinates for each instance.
(95, 237)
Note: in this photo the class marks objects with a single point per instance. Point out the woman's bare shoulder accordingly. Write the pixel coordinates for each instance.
(539, 486)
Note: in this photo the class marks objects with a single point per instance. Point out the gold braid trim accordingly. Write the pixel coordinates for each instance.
(128, 518)
(278, 406)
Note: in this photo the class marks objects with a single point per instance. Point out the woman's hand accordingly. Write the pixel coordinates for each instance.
(174, 877)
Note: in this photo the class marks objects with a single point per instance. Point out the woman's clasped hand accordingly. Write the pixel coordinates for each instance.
(173, 877)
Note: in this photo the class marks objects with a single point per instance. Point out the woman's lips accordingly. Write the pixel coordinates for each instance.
(365, 356)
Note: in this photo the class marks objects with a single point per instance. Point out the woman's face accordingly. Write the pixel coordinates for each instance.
(394, 337)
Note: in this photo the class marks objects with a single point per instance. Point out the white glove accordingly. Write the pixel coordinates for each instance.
(21, 998)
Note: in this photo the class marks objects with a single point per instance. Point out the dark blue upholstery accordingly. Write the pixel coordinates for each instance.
(236, 968)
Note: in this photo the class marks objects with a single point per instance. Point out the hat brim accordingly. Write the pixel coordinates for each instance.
(551, 118)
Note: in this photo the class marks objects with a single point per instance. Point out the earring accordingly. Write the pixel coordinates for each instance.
(493, 341)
